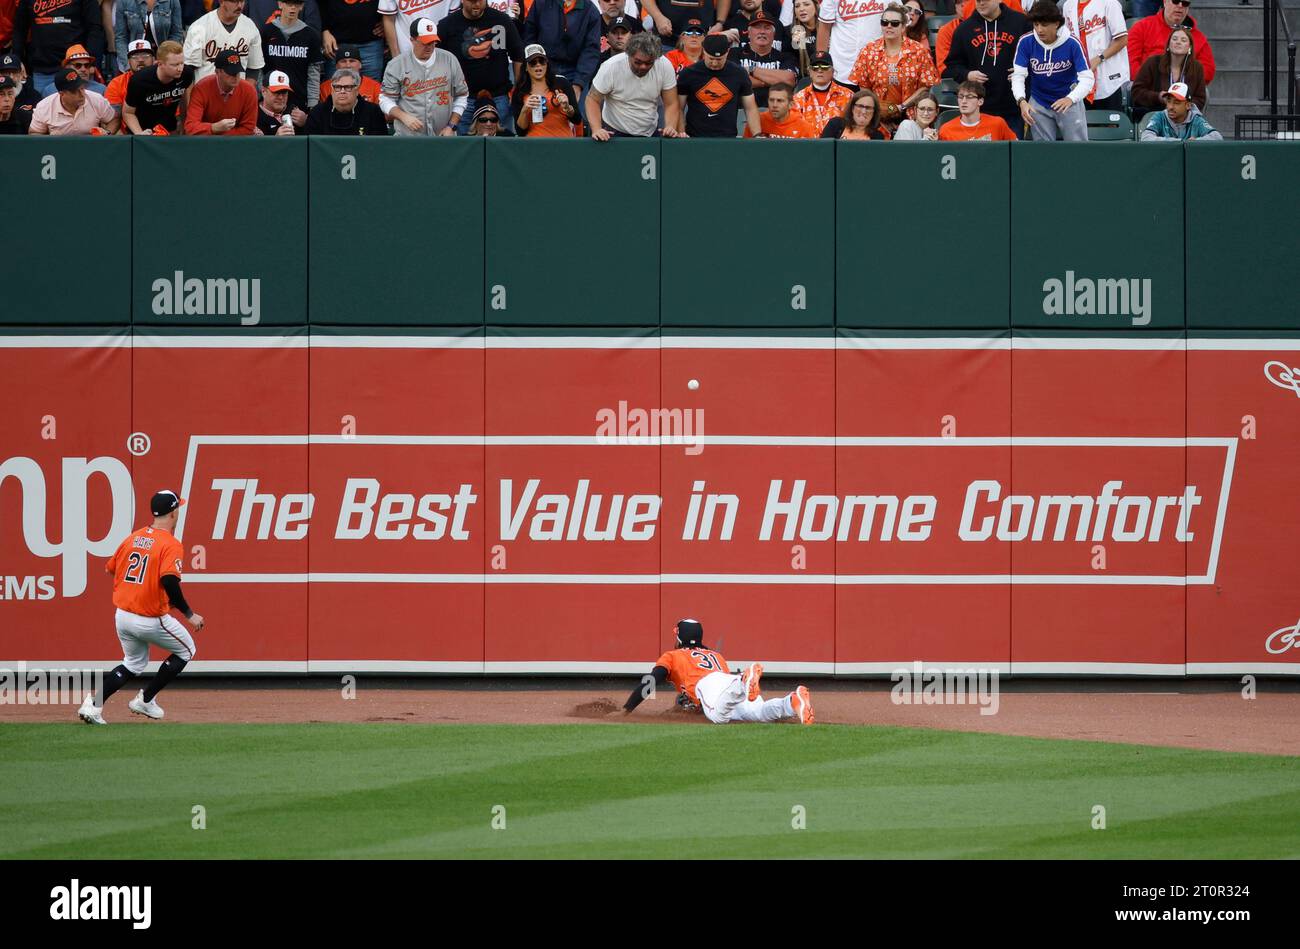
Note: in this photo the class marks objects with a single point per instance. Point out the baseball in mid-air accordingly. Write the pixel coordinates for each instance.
(693, 384)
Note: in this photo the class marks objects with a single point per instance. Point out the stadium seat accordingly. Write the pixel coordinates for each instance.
(1129, 21)
(1146, 120)
(802, 84)
(1106, 125)
(945, 116)
(944, 86)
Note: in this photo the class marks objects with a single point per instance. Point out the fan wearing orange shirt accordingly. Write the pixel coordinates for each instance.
(778, 121)
(146, 569)
(704, 683)
(970, 125)
(825, 98)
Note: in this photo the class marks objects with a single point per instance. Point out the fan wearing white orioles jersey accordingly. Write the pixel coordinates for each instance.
(400, 14)
(844, 27)
(146, 569)
(705, 684)
(1099, 27)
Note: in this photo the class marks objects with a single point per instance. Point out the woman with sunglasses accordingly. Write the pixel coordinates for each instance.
(803, 33)
(543, 103)
(925, 127)
(486, 121)
(918, 26)
(897, 69)
(860, 121)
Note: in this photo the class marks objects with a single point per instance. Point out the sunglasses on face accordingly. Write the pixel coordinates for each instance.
(488, 120)
(822, 66)
(539, 61)
(1181, 3)
(891, 22)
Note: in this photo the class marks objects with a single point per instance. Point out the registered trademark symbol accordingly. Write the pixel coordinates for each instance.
(137, 443)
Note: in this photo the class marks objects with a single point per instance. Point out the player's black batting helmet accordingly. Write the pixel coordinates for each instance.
(689, 632)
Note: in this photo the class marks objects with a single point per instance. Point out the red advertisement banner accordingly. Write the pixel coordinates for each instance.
(825, 505)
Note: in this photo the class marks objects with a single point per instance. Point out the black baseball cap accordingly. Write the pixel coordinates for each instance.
(68, 80)
(694, 26)
(228, 62)
(8, 61)
(715, 44)
(348, 52)
(762, 17)
(7, 82)
(164, 502)
(821, 59)
(620, 23)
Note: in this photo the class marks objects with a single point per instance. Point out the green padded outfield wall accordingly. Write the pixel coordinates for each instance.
(748, 230)
(67, 204)
(922, 236)
(548, 264)
(878, 237)
(219, 232)
(1243, 228)
(391, 248)
(1097, 236)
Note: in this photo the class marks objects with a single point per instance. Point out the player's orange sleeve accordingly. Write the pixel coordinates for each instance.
(171, 560)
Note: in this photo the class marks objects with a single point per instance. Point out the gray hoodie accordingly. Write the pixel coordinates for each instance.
(431, 91)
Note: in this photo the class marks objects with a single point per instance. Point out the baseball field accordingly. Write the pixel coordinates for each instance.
(406, 779)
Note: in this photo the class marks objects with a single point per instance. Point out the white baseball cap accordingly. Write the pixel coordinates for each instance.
(533, 49)
(1178, 90)
(278, 82)
(139, 46)
(424, 30)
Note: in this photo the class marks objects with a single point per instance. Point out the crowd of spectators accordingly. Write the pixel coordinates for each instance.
(797, 69)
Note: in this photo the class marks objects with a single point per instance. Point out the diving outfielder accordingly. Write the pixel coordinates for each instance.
(705, 683)
(146, 571)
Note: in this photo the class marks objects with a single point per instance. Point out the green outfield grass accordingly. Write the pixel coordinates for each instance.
(627, 791)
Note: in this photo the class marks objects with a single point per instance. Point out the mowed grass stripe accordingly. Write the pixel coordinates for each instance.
(381, 790)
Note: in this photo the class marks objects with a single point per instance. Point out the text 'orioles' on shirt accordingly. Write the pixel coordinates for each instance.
(156, 102)
(687, 666)
(208, 37)
(408, 11)
(713, 98)
(138, 566)
(854, 24)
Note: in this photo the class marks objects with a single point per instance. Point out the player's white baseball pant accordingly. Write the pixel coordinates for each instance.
(136, 632)
(723, 698)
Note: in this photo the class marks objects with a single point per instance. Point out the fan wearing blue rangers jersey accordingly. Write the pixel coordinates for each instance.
(1058, 75)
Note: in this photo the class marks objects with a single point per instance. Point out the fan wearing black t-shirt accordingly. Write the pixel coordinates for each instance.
(294, 48)
(766, 65)
(14, 120)
(712, 91)
(484, 41)
(154, 95)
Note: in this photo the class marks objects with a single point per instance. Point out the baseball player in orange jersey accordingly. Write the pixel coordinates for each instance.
(146, 571)
(703, 681)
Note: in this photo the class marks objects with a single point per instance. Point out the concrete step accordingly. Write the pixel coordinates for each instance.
(1246, 53)
(1239, 83)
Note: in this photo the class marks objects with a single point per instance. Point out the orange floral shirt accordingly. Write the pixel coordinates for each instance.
(818, 108)
(894, 82)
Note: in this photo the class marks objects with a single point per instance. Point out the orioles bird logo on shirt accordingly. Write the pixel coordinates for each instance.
(478, 44)
(714, 95)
